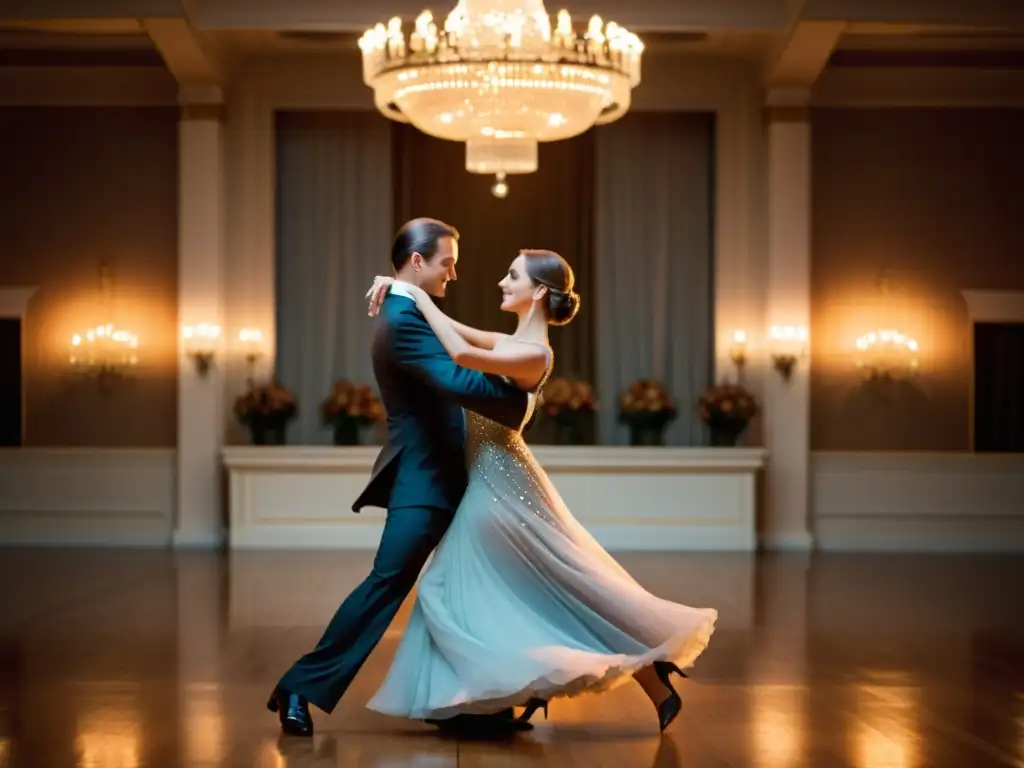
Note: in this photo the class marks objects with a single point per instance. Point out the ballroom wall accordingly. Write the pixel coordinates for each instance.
(82, 185)
(925, 193)
(932, 196)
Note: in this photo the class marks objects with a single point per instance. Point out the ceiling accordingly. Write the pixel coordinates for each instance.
(129, 34)
(114, 42)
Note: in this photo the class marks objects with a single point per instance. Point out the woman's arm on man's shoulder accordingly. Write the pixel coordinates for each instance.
(477, 337)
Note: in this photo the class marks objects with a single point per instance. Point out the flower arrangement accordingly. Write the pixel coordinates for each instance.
(647, 408)
(266, 411)
(727, 409)
(646, 396)
(568, 396)
(571, 404)
(349, 407)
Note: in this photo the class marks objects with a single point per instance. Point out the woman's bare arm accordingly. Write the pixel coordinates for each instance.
(522, 362)
(475, 336)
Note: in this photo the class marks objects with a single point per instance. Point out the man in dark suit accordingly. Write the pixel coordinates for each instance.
(419, 477)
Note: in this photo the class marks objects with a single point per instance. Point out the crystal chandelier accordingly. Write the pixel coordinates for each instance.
(887, 353)
(105, 351)
(500, 79)
(105, 347)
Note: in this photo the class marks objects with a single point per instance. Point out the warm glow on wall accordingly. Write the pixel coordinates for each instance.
(153, 326)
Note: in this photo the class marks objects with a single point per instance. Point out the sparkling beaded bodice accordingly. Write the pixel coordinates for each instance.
(487, 439)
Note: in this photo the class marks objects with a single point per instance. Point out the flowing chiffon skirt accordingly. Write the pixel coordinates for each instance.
(520, 601)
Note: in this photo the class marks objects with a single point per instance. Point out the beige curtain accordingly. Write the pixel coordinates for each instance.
(654, 258)
(334, 231)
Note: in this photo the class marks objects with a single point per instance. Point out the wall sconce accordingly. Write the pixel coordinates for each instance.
(887, 354)
(201, 345)
(789, 344)
(104, 352)
(251, 340)
(738, 351)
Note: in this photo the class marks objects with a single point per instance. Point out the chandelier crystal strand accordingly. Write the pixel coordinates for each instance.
(498, 76)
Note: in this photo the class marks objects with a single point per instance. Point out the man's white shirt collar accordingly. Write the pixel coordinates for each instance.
(401, 288)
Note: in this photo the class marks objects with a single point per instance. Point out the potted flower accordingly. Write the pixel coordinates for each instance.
(266, 411)
(727, 410)
(646, 408)
(570, 404)
(349, 407)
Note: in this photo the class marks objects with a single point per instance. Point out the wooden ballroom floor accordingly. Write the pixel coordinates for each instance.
(116, 659)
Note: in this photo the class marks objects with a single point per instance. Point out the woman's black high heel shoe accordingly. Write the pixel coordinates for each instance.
(532, 706)
(670, 708)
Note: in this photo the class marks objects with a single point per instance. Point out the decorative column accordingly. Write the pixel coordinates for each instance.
(787, 388)
(201, 247)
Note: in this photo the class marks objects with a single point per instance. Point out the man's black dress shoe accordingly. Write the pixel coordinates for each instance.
(293, 711)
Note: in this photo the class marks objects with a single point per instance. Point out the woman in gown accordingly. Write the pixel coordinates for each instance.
(520, 604)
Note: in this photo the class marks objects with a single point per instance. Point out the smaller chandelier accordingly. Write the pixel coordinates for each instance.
(887, 354)
(500, 79)
(104, 351)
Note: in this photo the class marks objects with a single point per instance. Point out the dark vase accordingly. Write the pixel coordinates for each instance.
(646, 435)
(267, 433)
(571, 427)
(648, 428)
(726, 433)
(568, 432)
(346, 432)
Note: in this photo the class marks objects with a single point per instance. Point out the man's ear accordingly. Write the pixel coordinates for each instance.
(417, 260)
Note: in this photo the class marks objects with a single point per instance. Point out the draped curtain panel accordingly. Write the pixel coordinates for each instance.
(654, 258)
(552, 208)
(334, 232)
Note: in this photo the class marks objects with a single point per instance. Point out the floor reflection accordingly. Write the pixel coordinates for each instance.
(1020, 723)
(203, 725)
(778, 722)
(124, 659)
(886, 730)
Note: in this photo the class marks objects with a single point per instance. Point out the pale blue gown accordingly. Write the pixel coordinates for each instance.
(519, 601)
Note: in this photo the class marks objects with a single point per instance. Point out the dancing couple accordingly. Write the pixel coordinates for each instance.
(519, 604)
